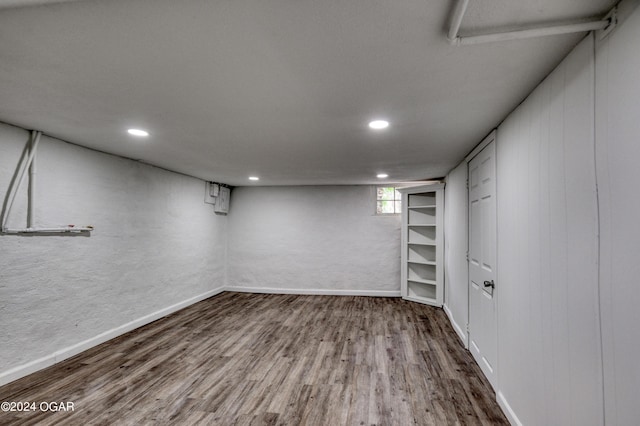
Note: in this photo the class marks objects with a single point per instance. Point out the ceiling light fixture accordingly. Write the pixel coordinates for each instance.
(138, 132)
(382, 175)
(254, 178)
(379, 124)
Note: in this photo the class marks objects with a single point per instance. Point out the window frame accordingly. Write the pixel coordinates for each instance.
(394, 200)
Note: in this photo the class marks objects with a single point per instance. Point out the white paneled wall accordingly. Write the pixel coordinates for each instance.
(618, 154)
(549, 362)
(456, 294)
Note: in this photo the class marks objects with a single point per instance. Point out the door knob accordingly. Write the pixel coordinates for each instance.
(490, 284)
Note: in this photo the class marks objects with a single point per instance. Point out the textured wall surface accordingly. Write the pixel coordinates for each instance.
(549, 363)
(618, 151)
(155, 244)
(456, 235)
(312, 238)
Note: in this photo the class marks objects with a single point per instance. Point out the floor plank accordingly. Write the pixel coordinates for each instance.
(256, 359)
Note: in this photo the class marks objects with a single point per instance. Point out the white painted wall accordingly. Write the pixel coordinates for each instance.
(549, 363)
(618, 172)
(312, 239)
(456, 237)
(156, 245)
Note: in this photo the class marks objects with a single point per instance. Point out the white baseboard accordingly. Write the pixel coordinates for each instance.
(46, 361)
(459, 330)
(508, 411)
(314, 291)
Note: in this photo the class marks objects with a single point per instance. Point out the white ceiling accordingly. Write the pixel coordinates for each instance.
(279, 89)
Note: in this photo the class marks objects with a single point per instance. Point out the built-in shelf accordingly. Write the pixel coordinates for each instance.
(418, 280)
(426, 262)
(420, 200)
(421, 254)
(421, 234)
(419, 292)
(422, 244)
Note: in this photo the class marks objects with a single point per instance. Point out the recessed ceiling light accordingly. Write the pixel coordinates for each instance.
(382, 175)
(138, 132)
(379, 124)
(254, 178)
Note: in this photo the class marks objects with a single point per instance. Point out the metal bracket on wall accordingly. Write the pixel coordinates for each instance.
(612, 17)
(27, 165)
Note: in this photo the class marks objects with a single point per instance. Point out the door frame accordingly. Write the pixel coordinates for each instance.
(490, 138)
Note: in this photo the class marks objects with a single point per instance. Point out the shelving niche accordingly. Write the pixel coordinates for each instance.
(422, 244)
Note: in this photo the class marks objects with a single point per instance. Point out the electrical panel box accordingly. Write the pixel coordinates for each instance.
(217, 194)
(214, 189)
(209, 198)
(222, 200)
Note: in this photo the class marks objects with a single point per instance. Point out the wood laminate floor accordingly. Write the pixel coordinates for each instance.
(256, 359)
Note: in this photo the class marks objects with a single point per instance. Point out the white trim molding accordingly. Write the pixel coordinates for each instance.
(482, 145)
(317, 292)
(65, 353)
(508, 411)
(462, 334)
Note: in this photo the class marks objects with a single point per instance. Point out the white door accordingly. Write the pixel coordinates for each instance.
(482, 261)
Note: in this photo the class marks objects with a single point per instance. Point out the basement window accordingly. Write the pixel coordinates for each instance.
(388, 200)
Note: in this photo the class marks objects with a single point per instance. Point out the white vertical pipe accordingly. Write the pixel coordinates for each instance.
(456, 21)
(31, 220)
(35, 136)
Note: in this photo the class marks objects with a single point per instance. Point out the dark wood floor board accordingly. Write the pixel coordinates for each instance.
(255, 359)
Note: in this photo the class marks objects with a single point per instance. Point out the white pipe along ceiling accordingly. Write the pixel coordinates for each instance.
(279, 90)
(461, 8)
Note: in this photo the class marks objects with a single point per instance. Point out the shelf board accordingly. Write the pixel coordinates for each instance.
(422, 207)
(423, 226)
(419, 281)
(423, 262)
(422, 244)
(425, 300)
